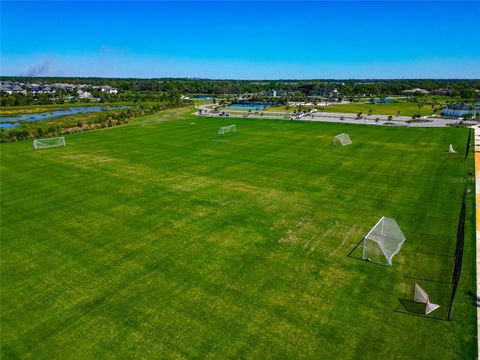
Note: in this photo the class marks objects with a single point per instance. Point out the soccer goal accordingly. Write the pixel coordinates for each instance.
(343, 139)
(227, 129)
(48, 142)
(421, 296)
(383, 242)
(451, 150)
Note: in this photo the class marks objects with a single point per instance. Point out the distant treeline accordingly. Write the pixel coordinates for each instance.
(174, 86)
(62, 96)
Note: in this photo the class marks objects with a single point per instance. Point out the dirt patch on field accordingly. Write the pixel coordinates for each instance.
(85, 159)
(294, 235)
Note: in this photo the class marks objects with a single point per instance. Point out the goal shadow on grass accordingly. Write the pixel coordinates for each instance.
(433, 259)
(410, 307)
(356, 253)
(439, 293)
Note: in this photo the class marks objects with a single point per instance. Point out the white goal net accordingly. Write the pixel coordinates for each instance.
(49, 142)
(343, 139)
(451, 150)
(421, 296)
(383, 241)
(226, 129)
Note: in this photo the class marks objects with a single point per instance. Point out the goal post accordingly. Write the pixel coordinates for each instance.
(420, 296)
(48, 142)
(383, 242)
(343, 139)
(226, 129)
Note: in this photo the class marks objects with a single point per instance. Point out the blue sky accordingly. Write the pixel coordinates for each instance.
(242, 40)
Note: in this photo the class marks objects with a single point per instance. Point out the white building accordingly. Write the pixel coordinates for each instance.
(83, 94)
(108, 89)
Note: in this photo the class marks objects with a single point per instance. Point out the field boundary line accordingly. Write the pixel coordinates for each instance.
(476, 130)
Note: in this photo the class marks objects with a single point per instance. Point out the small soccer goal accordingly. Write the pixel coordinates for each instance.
(343, 139)
(421, 296)
(48, 142)
(451, 150)
(226, 129)
(383, 242)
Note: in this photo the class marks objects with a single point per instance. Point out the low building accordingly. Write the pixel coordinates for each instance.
(47, 90)
(34, 88)
(441, 91)
(326, 93)
(10, 88)
(417, 91)
(84, 94)
(108, 89)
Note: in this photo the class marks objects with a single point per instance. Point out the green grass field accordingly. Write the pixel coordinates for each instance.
(405, 108)
(162, 239)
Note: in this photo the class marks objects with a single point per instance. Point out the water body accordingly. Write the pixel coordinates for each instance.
(248, 106)
(7, 121)
(384, 101)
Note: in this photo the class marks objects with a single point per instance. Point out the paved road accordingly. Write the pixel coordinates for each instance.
(333, 117)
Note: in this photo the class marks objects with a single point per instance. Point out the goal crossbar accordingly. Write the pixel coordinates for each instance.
(226, 129)
(343, 138)
(48, 142)
(387, 239)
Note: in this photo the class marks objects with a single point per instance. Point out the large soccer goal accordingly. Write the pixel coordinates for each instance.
(226, 129)
(421, 296)
(343, 139)
(383, 242)
(48, 142)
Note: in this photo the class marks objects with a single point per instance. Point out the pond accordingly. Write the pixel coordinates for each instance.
(7, 121)
(202, 97)
(384, 101)
(248, 106)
